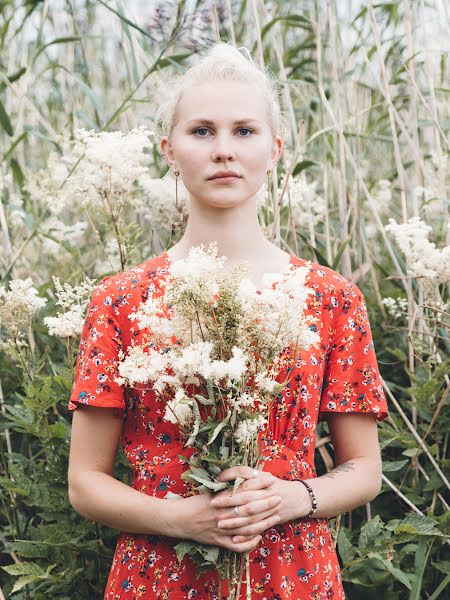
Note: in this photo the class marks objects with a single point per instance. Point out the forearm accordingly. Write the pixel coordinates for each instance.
(102, 498)
(346, 487)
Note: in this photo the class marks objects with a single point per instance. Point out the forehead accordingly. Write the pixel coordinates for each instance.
(222, 102)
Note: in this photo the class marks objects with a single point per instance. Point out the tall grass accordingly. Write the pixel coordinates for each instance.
(366, 97)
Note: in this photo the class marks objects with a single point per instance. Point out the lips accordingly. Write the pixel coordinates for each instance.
(221, 174)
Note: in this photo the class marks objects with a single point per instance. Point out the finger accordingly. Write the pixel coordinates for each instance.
(237, 471)
(256, 528)
(263, 480)
(240, 498)
(245, 544)
(243, 521)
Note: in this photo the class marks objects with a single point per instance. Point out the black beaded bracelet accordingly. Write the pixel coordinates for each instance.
(313, 498)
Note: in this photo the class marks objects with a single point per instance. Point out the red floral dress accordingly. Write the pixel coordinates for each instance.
(295, 560)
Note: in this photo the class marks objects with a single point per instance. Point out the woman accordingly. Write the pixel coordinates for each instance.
(282, 521)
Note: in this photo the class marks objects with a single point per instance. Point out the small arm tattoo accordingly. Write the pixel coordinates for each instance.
(347, 466)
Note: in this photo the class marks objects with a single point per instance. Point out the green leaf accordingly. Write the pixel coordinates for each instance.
(23, 581)
(301, 166)
(203, 400)
(420, 563)
(4, 120)
(62, 40)
(24, 568)
(219, 428)
(183, 548)
(345, 547)
(394, 465)
(440, 588)
(206, 482)
(369, 532)
(418, 525)
(395, 572)
(197, 424)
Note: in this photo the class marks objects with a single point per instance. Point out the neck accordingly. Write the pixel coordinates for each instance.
(235, 229)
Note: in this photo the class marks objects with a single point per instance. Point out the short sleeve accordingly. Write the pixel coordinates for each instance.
(98, 354)
(352, 380)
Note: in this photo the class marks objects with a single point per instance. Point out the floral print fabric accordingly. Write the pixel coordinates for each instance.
(295, 560)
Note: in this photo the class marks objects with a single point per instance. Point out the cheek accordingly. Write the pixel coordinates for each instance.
(191, 156)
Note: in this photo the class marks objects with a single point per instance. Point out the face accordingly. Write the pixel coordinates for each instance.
(228, 120)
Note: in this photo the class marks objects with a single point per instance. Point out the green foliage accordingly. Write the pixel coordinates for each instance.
(391, 550)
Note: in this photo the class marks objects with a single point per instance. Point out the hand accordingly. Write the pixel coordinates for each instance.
(263, 501)
(195, 519)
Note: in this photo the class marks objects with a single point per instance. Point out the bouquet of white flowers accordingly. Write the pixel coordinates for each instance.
(218, 353)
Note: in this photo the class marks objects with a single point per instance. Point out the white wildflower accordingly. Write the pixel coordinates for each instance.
(140, 366)
(247, 430)
(158, 205)
(275, 315)
(396, 307)
(18, 305)
(110, 164)
(199, 264)
(194, 359)
(306, 204)
(383, 195)
(424, 259)
(244, 401)
(232, 369)
(74, 301)
(265, 383)
(68, 324)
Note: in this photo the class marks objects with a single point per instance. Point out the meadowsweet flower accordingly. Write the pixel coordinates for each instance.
(383, 195)
(396, 307)
(426, 262)
(74, 301)
(231, 369)
(273, 316)
(48, 186)
(158, 205)
(244, 401)
(246, 430)
(306, 204)
(193, 359)
(110, 164)
(265, 383)
(140, 366)
(18, 304)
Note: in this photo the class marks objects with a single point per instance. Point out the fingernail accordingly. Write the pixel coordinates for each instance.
(220, 524)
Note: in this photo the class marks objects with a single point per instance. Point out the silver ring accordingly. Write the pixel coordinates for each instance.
(236, 511)
(255, 473)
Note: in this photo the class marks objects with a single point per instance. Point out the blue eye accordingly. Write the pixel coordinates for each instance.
(200, 129)
(206, 129)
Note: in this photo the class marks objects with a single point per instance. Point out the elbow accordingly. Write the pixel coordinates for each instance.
(76, 499)
(376, 479)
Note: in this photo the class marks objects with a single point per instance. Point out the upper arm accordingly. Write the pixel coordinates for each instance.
(93, 445)
(354, 435)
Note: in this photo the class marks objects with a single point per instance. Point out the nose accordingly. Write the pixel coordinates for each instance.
(222, 150)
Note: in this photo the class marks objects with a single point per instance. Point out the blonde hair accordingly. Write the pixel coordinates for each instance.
(221, 62)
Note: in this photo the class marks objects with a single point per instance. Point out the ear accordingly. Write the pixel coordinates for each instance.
(166, 150)
(277, 148)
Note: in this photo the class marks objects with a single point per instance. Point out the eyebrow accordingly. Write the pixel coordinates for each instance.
(238, 122)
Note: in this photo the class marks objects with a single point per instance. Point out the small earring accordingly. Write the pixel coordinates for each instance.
(176, 173)
(269, 171)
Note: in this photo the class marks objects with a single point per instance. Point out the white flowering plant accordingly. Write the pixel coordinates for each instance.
(217, 364)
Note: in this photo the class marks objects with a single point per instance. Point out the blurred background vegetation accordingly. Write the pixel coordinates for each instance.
(362, 186)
